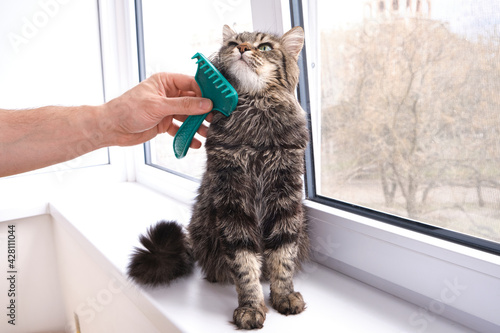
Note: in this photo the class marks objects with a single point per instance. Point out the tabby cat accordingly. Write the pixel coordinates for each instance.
(248, 221)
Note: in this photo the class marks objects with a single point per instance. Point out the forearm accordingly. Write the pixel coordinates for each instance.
(35, 138)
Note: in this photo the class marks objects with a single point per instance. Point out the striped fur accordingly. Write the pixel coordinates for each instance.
(248, 221)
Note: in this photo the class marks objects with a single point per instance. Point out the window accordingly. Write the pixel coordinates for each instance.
(51, 56)
(170, 50)
(408, 125)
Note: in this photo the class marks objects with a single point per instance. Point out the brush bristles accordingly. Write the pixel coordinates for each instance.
(214, 76)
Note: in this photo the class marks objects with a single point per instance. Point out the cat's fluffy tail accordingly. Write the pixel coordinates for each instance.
(167, 255)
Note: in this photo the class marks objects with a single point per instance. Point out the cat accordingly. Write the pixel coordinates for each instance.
(248, 220)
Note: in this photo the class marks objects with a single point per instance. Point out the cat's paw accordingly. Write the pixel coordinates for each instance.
(249, 317)
(292, 303)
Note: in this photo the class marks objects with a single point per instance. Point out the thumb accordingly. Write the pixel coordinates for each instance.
(188, 105)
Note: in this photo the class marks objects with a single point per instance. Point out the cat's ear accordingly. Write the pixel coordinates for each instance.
(227, 33)
(293, 41)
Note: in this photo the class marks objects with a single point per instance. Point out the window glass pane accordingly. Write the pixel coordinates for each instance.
(50, 55)
(173, 33)
(410, 109)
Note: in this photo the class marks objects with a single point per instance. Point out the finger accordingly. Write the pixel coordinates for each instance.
(187, 94)
(180, 117)
(209, 117)
(174, 82)
(195, 144)
(187, 105)
(203, 130)
(172, 129)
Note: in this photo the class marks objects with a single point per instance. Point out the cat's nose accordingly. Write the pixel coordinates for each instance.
(243, 47)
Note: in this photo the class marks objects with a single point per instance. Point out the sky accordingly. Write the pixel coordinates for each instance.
(467, 17)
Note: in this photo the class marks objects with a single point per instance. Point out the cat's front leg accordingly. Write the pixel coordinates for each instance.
(285, 242)
(251, 310)
(244, 261)
(281, 266)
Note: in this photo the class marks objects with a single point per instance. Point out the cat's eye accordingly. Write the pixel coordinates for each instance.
(265, 47)
(232, 44)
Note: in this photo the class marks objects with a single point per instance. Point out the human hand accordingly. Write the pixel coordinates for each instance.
(150, 107)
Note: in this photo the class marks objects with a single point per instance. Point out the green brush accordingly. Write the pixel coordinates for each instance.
(213, 86)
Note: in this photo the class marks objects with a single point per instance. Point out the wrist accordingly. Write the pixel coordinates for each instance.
(104, 129)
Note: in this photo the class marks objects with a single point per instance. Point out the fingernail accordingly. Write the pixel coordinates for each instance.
(206, 104)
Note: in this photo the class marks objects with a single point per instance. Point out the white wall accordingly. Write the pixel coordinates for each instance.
(38, 298)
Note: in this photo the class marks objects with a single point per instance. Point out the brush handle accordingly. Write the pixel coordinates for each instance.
(185, 134)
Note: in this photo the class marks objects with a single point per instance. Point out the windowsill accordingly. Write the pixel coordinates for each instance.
(107, 224)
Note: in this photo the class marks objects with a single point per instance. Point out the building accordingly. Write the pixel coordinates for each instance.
(397, 8)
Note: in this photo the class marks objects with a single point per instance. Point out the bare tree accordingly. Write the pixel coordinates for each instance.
(413, 105)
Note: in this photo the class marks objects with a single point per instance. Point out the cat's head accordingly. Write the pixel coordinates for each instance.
(255, 62)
